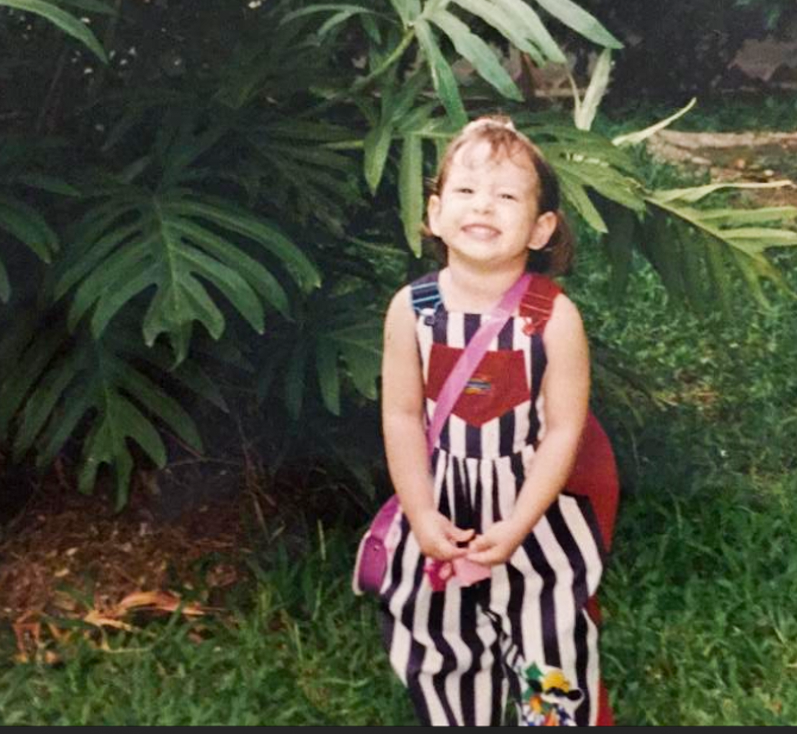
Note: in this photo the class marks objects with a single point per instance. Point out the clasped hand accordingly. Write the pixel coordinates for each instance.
(441, 540)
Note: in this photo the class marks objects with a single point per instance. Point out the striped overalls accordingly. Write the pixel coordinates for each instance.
(526, 632)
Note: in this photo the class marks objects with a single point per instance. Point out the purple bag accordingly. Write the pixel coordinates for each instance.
(378, 543)
(373, 554)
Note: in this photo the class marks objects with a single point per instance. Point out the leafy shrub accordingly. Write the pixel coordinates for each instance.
(247, 192)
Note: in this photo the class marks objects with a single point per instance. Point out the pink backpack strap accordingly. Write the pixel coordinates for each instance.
(537, 304)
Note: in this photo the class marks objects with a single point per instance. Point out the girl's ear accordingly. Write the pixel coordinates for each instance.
(433, 213)
(543, 230)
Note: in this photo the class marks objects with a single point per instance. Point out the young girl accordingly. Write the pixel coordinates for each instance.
(496, 494)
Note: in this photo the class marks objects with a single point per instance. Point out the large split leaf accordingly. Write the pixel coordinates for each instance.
(178, 244)
(295, 166)
(63, 383)
(335, 336)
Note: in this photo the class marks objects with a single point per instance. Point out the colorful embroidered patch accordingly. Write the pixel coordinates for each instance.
(478, 385)
(549, 700)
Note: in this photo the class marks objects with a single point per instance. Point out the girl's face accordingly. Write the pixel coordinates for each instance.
(487, 212)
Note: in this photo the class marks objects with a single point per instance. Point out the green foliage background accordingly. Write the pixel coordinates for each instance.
(227, 195)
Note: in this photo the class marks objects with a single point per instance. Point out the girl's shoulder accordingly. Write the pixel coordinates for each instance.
(539, 301)
(400, 324)
(400, 310)
(565, 329)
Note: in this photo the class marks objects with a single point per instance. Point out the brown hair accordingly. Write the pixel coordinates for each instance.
(556, 257)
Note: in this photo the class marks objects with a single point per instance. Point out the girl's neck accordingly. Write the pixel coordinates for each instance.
(475, 291)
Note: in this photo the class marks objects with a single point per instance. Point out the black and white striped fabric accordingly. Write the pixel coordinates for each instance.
(463, 651)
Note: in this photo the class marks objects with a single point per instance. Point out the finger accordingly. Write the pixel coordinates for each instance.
(485, 558)
(446, 551)
(480, 543)
(460, 535)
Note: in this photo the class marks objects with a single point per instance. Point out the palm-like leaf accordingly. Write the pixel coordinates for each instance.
(21, 171)
(582, 22)
(397, 107)
(61, 383)
(333, 331)
(443, 78)
(515, 20)
(694, 250)
(477, 52)
(585, 161)
(177, 243)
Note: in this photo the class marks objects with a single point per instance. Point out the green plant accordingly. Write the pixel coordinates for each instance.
(257, 186)
(114, 381)
(22, 171)
(175, 238)
(67, 22)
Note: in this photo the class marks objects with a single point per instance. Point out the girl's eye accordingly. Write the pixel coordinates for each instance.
(510, 197)
(464, 190)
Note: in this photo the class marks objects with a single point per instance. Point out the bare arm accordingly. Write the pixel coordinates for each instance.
(565, 390)
(405, 438)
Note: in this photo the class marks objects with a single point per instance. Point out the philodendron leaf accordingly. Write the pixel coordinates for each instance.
(185, 250)
(62, 383)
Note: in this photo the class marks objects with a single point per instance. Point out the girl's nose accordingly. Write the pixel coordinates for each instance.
(483, 201)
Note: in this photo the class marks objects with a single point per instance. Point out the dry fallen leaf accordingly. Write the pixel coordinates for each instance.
(161, 600)
(96, 618)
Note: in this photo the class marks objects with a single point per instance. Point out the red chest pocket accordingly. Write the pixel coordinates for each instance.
(498, 385)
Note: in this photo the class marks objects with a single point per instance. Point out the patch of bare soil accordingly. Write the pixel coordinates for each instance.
(64, 554)
(755, 157)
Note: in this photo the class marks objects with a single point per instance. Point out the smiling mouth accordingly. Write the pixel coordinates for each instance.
(481, 231)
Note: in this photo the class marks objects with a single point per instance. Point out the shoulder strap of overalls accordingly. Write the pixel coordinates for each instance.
(537, 304)
(426, 293)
